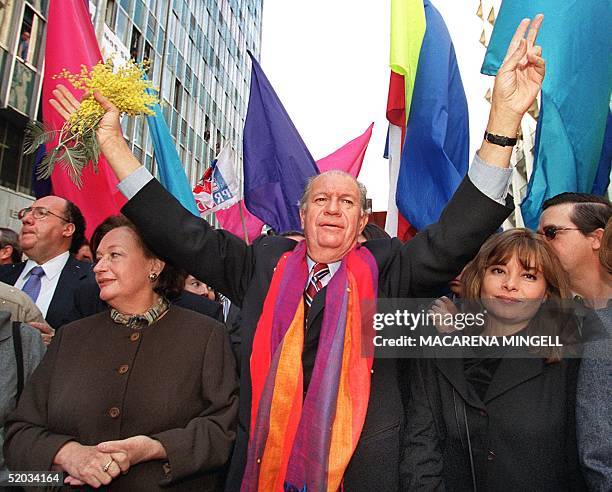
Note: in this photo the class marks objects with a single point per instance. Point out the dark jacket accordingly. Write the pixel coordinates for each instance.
(522, 434)
(74, 275)
(243, 273)
(174, 381)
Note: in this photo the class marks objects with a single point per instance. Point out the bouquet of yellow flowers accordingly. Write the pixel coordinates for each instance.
(125, 87)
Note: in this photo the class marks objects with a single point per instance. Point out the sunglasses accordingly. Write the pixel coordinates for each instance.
(38, 213)
(550, 232)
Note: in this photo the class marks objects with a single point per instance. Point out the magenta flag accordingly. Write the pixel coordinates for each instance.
(230, 220)
(349, 157)
(71, 42)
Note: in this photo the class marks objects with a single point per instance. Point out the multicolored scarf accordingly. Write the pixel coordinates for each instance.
(302, 443)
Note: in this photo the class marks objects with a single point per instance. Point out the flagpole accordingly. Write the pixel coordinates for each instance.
(244, 228)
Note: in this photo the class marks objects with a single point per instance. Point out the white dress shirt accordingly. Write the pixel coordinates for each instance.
(48, 282)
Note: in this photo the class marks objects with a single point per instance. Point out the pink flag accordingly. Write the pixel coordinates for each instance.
(349, 157)
(71, 42)
(230, 220)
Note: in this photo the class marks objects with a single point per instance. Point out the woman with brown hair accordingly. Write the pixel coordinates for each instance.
(143, 397)
(495, 419)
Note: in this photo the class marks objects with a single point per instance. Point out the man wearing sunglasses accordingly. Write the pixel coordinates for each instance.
(573, 224)
(51, 229)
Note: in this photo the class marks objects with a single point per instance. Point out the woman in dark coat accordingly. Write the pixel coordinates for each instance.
(140, 398)
(488, 422)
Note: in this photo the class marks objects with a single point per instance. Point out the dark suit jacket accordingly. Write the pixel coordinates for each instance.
(522, 434)
(88, 302)
(243, 273)
(62, 307)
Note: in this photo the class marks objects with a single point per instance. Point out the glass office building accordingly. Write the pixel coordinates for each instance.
(198, 55)
(197, 50)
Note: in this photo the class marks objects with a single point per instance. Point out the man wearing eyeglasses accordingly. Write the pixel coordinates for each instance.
(573, 224)
(51, 229)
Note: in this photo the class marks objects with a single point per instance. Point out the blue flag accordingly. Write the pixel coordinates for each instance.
(277, 163)
(576, 44)
(436, 145)
(171, 173)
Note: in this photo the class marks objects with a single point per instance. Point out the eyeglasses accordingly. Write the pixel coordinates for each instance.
(38, 213)
(550, 232)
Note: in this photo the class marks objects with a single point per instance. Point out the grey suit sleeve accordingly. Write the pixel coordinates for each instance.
(492, 181)
(594, 415)
(33, 349)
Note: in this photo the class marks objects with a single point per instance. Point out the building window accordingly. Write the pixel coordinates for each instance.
(149, 57)
(6, 14)
(207, 129)
(178, 95)
(135, 44)
(111, 13)
(30, 36)
(15, 168)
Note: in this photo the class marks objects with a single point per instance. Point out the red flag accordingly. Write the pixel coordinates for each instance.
(396, 224)
(349, 157)
(71, 42)
(230, 220)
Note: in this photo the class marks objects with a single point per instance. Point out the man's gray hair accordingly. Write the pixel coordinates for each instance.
(363, 192)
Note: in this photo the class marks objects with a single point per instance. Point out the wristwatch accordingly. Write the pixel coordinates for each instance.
(499, 139)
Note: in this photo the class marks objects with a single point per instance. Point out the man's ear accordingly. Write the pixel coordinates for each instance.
(363, 221)
(6, 252)
(596, 238)
(302, 217)
(69, 229)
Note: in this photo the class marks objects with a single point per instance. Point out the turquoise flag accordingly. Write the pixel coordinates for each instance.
(576, 43)
(171, 173)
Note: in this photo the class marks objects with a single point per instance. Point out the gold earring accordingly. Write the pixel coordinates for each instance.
(153, 276)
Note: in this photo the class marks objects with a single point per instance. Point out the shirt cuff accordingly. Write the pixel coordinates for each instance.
(134, 182)
(493, 181)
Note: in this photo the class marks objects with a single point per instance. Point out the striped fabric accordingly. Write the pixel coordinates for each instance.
(319, 272)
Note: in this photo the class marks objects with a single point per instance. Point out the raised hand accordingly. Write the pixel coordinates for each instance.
(440, 309)
(109, 130)
(520, 77)
(111, 141)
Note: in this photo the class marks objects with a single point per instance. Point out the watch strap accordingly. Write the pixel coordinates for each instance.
(499, 139)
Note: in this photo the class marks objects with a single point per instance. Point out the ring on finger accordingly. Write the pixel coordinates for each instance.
(108, 465)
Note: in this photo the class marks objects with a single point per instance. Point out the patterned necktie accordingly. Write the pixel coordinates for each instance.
(32, 285)
(319, 272)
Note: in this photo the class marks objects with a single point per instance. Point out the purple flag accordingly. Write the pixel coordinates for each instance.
(277, 163)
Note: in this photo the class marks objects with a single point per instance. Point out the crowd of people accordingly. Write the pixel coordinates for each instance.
(166, 354)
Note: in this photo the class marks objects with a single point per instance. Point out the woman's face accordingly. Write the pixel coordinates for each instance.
(511, 292)
(122, 270)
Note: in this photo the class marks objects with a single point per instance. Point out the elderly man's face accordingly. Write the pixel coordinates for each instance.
(332, 218)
